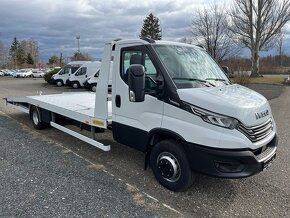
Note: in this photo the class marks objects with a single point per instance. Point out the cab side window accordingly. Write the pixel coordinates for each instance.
(139, 57)
(129, 58)
(66, 70)
(82, 71)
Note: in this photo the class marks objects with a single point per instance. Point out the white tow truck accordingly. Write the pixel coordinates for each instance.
(172, 102)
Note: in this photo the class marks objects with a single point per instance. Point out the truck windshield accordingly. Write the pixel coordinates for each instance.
(190, 67)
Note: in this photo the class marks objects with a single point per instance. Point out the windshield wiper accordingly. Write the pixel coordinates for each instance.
(207, 83)
(219, 79)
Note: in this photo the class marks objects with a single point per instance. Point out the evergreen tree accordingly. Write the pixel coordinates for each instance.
(29, 59)
(151, 28)
(13, 50)
(16, 53)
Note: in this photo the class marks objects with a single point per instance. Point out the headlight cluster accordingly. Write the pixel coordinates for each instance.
(212, 118)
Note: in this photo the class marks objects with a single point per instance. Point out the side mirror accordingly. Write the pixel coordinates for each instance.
(226, 69)
(136, 83)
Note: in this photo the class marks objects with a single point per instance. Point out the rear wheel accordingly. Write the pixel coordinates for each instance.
(36, 118)
(59, 83)
(75, 85)
(170, 166)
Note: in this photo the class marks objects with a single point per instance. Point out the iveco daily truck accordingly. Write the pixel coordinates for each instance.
(172, 102)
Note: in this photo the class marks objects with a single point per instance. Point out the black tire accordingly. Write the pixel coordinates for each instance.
(93, 87)
(36, 119)
(59, 83)
(75, 85)
(170, 166)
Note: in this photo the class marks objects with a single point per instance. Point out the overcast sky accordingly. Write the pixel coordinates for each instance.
(55, 24)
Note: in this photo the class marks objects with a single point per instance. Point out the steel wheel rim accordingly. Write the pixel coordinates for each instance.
(35, 117)
(75, 86)
(93, 88)
(166, 158)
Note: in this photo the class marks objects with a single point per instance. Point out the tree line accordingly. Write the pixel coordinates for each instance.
(253, 24)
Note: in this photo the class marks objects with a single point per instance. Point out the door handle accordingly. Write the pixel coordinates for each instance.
(118, 101)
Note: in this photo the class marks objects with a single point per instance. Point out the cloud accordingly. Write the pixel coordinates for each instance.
(55, 24)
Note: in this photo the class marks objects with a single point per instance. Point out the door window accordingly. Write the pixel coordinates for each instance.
(66, 70)
(82, 71)
(139, 57)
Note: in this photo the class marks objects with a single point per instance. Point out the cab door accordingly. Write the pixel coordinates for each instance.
(132, 121)
(80, 76)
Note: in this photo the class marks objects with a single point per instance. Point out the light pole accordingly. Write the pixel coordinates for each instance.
(78, 38)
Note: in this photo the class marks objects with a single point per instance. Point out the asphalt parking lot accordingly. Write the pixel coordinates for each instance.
(50, 174)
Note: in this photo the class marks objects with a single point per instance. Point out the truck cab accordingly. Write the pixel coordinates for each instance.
(173, 102)
(77, 79)
(62, 75)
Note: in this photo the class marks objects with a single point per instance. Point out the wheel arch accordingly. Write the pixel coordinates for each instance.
(45, 115)
(159, 134)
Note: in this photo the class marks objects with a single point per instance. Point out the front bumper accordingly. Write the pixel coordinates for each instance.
(52, 81)
(86, 85)
(68, 82)
(230, 163)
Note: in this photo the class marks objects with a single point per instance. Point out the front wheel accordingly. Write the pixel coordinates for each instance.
(75, 85)
(59, 83)
(93, 87)
(170, 166)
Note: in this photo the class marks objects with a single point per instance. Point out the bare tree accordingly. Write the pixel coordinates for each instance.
(280, 46)
(31, 46)
(187, 40)
(256, 23)
(210, 28)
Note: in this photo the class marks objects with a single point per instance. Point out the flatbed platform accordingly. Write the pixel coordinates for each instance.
(76, 105)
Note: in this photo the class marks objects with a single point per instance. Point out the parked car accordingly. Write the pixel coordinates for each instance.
(23, 73)
(8, 72)
(37, 73)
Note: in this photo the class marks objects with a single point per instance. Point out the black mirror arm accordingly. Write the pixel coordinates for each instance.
(150, 78)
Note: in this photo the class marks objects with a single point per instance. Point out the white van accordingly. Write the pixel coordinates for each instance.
(91, 82)
(61, 77)
(77, 79)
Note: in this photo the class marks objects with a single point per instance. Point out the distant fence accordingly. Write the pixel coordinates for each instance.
(241, 73)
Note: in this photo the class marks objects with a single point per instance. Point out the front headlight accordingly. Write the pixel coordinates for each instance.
(213, 118)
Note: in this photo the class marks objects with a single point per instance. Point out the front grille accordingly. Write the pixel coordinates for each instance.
(257, 133)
